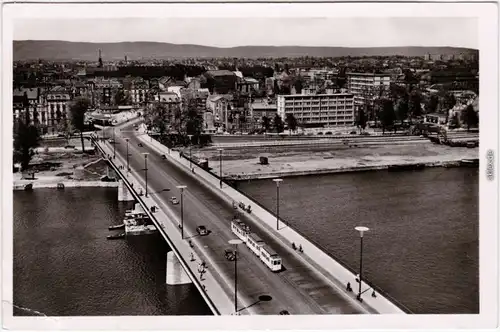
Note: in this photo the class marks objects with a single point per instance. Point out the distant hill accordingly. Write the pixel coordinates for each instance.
(63, 50)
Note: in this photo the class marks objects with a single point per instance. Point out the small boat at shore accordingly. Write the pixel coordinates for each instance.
(469, 162)
(116, 226)
(116, 236)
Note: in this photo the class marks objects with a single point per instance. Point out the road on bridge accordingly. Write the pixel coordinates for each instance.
(299, 289)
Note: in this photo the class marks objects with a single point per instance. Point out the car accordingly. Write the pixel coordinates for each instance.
(284, 312)
(174, 200)
(229, 254)
(202, 230)
(140, 145)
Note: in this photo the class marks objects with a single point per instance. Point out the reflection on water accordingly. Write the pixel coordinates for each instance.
(64, 266)
(422, 247)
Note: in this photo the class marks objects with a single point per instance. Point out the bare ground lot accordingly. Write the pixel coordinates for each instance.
(245, 160)
(65, 166)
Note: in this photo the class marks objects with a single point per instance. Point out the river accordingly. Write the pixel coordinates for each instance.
(65, 266)
(422, 247)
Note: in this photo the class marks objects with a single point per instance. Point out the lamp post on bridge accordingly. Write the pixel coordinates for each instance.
(220, 161)
(235, 242)
(128, 167)
(181, 188)
(114, 144)
(361, 230)
(190, 163)
(146, 170)
(277, 201)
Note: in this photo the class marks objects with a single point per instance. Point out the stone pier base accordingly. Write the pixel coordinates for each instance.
(175, 272)
(124, 194)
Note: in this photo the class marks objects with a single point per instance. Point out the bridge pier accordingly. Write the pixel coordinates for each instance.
(175, 273)
(124, 194)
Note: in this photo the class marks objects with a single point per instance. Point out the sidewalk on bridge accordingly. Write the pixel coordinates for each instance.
(213, 279)
(312, 254)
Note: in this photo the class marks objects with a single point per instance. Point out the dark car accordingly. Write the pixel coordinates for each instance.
(202, 230)
(229, 254)
(284, 312)
(140, 145)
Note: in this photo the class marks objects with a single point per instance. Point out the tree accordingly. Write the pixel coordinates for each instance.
(77, 111)
(157, 117)
(266, 123)
(361, 119)
(414, 105)
(448, 101)
(64, 126)
(387, 115)
(455, 121)
(291, 121)
(403, 109)
(26, 138)
(432, 104)
(278, 124)
(192, 121)
(470, 117)
(122, 98)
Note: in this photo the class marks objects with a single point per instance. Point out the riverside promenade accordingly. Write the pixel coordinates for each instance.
(333, 271)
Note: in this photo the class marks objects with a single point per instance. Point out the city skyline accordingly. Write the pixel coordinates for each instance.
(214, 32)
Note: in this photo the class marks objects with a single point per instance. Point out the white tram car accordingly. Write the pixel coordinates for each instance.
(254, 243)
(240, 229)
(257, 246)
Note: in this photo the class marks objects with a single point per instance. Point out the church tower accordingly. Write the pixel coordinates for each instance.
(100, 60)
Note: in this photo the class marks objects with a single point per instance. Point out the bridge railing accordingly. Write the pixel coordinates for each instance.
(184, 264)
(234, 184)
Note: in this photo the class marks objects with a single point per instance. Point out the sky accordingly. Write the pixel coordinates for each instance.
(230, 32)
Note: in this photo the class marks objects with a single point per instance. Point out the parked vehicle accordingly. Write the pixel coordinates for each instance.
(229, 254)
(202, 230)
(174, 200)
(140, 145)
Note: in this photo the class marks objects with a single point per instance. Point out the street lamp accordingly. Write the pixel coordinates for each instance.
(190, 163)
(361, 230)
(114, 144)
(181, 188)
(220, 171)
(235, 242)
(146, 170)
(128, 168)
(277, 202)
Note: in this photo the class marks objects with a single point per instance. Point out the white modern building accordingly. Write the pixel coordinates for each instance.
(367, 85)
(322, 110)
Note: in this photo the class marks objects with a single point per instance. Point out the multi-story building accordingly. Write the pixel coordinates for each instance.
(43, 109)
(322, 110)
(29, 105)
(58, 100)
(138, 92)
(218, 105)
(366, 86)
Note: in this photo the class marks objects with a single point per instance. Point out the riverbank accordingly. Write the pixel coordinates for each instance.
(243, 163)
(57, 183)
(69, 169)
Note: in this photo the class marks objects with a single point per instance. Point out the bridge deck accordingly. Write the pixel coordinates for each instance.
(301, 288)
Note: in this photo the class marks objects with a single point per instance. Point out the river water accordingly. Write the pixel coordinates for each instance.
(65, 266)
(422, 247)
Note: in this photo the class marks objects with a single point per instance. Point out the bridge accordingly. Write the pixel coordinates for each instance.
(311, 282)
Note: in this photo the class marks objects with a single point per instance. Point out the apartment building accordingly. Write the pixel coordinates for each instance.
(322, 110)
(366, 86)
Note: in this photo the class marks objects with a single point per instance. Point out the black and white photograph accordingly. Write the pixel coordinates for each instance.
(166, 164)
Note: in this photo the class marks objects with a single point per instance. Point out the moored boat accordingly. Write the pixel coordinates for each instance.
(116, 226)
(116, 236)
